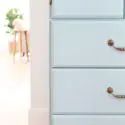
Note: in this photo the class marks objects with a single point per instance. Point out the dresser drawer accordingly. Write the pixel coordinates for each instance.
(85, 91)
(88, 120)
(87, 8)
(85, 43)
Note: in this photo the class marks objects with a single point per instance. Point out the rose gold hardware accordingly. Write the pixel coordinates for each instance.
(111, 44)
(110, 91)
(50, 2)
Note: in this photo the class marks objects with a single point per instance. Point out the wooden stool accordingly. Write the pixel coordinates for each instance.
(21, 42)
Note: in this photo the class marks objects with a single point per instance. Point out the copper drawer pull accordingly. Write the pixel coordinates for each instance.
(111, 44)
(50, 2)
(110, 91)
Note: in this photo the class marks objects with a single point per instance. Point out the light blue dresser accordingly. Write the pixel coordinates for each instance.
(87, 62)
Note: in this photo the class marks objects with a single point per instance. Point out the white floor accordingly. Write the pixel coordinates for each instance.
(14, 90)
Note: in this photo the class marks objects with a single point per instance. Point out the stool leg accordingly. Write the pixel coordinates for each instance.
(26, 43)
(14, 48)
(21, 50)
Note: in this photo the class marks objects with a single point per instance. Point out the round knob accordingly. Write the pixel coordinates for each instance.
(110, 42)
(110, 90)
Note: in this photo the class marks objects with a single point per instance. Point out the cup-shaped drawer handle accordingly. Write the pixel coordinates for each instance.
(111, 91)
(111, 43)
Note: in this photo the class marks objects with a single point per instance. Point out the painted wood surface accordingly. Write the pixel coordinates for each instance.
(84, 91)
(84, 43)
(88, 120)
(87, 8)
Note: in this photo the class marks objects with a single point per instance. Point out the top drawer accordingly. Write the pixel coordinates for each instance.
(87, 8)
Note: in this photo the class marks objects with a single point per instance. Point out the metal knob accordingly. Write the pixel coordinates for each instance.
(110, 90)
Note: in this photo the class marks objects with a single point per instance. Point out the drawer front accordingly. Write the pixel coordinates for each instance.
(87, 8)
(85, 91)
(88, 120)
(85, 43)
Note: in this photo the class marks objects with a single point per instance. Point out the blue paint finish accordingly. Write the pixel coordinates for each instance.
(87, 9)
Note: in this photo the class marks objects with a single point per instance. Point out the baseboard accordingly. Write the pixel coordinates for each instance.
(38, 116)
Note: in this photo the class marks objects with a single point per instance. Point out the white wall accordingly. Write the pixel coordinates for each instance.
(39, 113)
